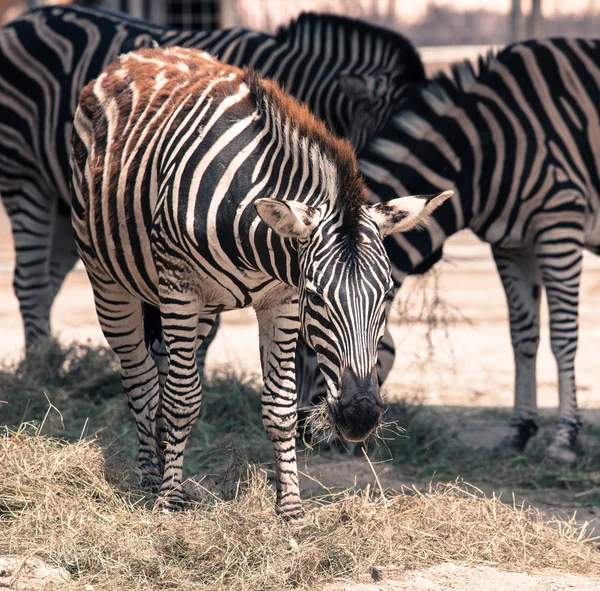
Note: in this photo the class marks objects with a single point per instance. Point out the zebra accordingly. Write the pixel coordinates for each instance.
(517, 138)
(198, 187)
(50, 53)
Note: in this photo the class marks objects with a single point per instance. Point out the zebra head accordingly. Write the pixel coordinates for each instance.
(345, 283)
(375, 98)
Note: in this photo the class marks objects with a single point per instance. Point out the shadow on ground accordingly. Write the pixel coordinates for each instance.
(75, 392)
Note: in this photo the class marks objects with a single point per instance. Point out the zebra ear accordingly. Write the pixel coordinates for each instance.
(405, 213)
(363, 89)
(289, 219)
(355, 86)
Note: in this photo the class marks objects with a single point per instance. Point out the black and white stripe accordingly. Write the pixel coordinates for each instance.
(519, 141)
(173, 153)
(50, 53)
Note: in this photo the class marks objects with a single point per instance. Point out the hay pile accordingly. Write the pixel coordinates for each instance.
(58, 500)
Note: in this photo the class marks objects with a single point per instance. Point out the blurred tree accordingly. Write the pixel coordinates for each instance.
(516, 21)
(534, 22)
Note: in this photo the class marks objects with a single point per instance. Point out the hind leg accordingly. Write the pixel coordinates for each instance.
(560, 256)
(173, 431)
(120, 317)
(184, 329)
(63, 255)
(31, 216)
(159, 351)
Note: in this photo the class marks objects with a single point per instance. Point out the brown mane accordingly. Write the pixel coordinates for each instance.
(352, 191)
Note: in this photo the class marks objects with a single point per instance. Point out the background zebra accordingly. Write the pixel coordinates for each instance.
(519, 141)
(50, 53)
(172, 152)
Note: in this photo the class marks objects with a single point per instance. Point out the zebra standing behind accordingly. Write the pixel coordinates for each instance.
(50, 53)
(519, 141)
(172, 155)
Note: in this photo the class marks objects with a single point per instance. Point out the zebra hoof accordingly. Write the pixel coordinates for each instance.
(169, 504)
(561, 454)
(516, 442)
(293, 514)
(563, 448)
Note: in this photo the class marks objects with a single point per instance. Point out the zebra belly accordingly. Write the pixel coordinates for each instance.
(592, 227)
(217, 285)
(219, 294)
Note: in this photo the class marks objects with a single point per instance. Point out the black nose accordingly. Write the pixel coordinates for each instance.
(359, 408)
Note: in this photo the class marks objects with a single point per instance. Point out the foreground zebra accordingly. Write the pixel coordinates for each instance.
(172, 153)
(520, 143)
(50, 53)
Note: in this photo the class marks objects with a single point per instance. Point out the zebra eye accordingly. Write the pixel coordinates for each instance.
(315, 299)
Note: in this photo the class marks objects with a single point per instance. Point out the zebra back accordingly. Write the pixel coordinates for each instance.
(496, 131)
(50, 53)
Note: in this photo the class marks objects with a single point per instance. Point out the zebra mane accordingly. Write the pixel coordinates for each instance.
(398, 54)
(440, 95)
(351, 189)
(465, 74)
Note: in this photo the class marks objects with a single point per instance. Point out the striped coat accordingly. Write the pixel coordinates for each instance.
(198, 188)
(519, 141)
(50, 53)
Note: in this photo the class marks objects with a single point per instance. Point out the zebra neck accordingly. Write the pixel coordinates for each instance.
(286, 166)
(391, 170)
(431, 146)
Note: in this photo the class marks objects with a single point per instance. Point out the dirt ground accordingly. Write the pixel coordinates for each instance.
(32, 574)
(465, 370)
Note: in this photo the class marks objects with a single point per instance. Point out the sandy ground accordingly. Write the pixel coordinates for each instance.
(455, 577)
(468, 367)
(32, 574)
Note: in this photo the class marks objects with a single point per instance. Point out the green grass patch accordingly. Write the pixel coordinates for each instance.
(74, 392)
(430, 449)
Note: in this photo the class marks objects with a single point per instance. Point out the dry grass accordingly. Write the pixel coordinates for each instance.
(58, 501)
(321, 429)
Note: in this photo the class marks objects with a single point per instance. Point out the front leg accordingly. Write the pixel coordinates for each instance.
(31, 214)
(184, 329)
(521, 280)
(278, 331)
(560, 258)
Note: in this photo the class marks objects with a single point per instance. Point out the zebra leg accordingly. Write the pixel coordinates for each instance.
(560, 259)
(120, 317)
(31, 216)
(521, 279)
(63, 255)
(205, 344)
(159, 352)
(278, 332)
(183, 329)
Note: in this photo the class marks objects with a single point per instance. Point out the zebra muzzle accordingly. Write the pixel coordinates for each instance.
(359, 409)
